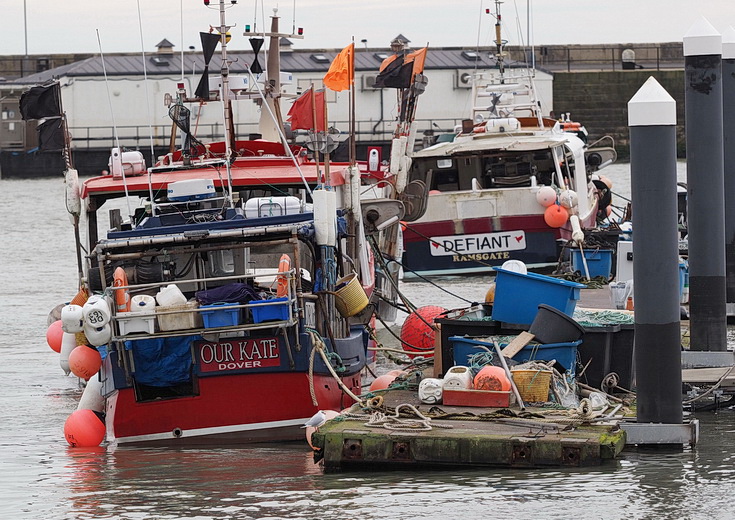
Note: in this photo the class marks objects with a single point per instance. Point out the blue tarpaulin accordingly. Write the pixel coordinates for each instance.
(162, 361)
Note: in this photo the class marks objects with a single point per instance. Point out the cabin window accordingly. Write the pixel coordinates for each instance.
(444, 163)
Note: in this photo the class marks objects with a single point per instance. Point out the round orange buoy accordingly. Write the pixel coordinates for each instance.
(382, 382)
(84, 361)
(607, 182)
(84, 429)
(328, 414)
(54, 333)
(556, 216)
(284, 266)
(417, 332)
(434, 192)
(397, 373)
(491, 378)
(608, 211)
(490, 294)
(546, 196)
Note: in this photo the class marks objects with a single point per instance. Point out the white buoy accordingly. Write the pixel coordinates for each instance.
(92, 396)
(72, 319)
(98, 336)
(321, 219)
(68, 343)
(332, 215)
(577, 233)
(73, 194)
(458, 378)
(96, 311)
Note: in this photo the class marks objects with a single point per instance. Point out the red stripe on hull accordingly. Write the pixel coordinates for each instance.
(229, 401)
(528, 223)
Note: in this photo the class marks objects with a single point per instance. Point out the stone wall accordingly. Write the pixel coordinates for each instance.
(599, 100)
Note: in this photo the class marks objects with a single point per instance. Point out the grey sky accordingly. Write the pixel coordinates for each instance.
(70, 25)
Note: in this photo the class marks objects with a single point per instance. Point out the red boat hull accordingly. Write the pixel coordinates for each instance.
(237, 408)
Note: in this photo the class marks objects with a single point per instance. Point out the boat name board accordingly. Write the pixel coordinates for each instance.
(478, 244)
(238, 354)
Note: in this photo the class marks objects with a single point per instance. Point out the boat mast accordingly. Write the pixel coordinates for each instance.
(226, 103)
(269, 128)
(499, 52)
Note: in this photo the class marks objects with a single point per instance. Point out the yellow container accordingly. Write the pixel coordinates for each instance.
(350, 296)
(533, 385)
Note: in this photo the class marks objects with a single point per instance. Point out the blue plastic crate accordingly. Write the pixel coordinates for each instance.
(215, 316)
(565, 354)
(599, 262)
(517, 296)
(271, 311)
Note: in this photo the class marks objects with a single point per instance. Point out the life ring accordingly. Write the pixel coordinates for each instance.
(284, 266)
(122, 297)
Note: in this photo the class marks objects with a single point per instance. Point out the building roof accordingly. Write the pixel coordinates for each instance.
(297, 61)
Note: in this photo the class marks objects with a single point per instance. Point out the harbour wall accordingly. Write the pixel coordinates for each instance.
(599, 100)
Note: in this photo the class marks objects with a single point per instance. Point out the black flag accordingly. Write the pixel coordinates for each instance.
(209, 44)
(51, 136)
(256, 44)
(40, 102)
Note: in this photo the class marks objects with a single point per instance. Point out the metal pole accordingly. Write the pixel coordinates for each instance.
(652, 122)
(25, 27)
(705, 180)
(728, 138)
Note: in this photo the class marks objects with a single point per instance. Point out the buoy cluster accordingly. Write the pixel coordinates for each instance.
(488, 378)
(559, 205)
(84, 325)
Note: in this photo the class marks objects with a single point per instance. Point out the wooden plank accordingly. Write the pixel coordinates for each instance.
(515, 346)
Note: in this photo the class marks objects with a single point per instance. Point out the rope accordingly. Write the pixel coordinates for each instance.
(395, 422)
(319, 345)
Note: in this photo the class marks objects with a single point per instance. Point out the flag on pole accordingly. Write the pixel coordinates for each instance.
(303, 112)
(341, 73)
(398, 71)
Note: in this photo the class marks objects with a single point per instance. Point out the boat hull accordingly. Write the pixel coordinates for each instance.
(476, 245)
(231, 409)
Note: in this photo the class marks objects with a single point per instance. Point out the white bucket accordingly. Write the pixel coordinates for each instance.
(458, 378)
(170, 295)
(142, 302)
(515, 266)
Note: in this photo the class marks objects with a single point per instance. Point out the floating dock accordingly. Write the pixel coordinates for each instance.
(463, 436)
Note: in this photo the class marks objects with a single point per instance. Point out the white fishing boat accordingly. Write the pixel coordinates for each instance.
(510, 184)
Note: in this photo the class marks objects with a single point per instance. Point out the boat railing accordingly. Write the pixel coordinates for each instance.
(190, 314)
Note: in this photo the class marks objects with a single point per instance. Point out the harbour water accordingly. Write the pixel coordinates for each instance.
(42, 478)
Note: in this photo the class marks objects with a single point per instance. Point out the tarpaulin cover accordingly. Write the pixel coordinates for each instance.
(162, 361)
(230, 293)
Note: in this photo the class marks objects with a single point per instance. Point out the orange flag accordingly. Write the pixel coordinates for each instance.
(341, 72)
(303, 112)
(418, 58)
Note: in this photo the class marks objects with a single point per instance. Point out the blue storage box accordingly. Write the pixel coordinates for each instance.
(215, 316)
(517, 296)
(268, 310)
(599, 262)
(565, 354)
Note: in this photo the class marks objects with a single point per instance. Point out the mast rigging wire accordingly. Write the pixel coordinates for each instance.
(148, 104)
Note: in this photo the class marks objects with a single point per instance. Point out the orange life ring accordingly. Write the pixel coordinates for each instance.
(122, 297)
(284, 266)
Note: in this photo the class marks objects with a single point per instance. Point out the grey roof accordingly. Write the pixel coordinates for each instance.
(294, 61)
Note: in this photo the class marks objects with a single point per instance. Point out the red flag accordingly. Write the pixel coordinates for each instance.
(303, 112)
(341, 73)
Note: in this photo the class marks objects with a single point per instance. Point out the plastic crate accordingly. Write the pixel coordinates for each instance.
(599, 262)
(517, 296)
(483, 398)
(565, 354)
(132, 322)
(187, 318)
(215, 316)
(268, 310)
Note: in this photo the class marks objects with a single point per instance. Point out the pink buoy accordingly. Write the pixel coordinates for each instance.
(84, 429)
(382, 382)
(556, 216)
(84, 361)
(54, 333)
(310, 430)
(417, 332)
(546, 196)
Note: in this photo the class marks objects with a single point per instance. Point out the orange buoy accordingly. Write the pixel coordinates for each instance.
(84, 362)
(284, 266)
(606, 181)
(122, 297)
(556, 216)
(491, 378)
(418, 332)
(382, 382)
(54, 333)
(490, 294)
(328, 414)
(84, 429)
(397, 373)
